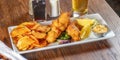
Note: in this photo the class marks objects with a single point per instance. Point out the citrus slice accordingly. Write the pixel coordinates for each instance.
(86, 21)
(85, 32)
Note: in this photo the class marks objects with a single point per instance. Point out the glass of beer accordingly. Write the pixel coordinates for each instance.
(80, 7)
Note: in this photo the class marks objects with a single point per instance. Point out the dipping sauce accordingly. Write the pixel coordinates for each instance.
(100, 29)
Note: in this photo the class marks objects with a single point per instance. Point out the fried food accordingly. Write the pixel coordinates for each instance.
(51, 37)
(35, 39)
(26, 35)
(43, 43)
(39, 35)
(29, 24)
(24, 43)
(58, 26)
(35, 26)
(64, 18)
(57, 31)
(29, 35)
(15, 39)
(73, 31)
(19, 31)
(44, 29)
(62, 22)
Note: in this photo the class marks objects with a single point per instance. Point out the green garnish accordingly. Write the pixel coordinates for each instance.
(64, 36)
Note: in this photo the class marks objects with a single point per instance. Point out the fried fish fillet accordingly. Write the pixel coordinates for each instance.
(73, 31)
(58, 26)
(53, 35)
(62, 22)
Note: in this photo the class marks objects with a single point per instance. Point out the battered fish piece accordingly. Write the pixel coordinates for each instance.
(57, 31)
(73, 31)
(53, 34)
(58, 26)
(62, 22)
(51, 37)
(64, 19)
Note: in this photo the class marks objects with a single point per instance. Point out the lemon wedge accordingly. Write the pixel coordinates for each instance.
(85, 32)
(87, 25)
(85, 21)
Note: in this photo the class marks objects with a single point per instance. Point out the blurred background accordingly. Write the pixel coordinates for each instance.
(115, 4)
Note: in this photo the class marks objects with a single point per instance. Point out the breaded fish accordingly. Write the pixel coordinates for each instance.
(58, 26)
(73, 31)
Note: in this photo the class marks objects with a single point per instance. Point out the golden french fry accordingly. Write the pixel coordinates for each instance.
(36, 26)
(39, 35)
(19, 31)
(43, 29)
(15, 39)
(33, 37)
(28, 24)
(31, 47)
(43, 43)
(24, 43)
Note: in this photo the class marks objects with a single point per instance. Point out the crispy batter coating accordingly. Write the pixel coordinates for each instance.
(58, 26)
(73, 31)
(51, 37)
(62, 22)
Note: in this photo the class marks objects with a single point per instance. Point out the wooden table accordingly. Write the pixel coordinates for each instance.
(13, 12)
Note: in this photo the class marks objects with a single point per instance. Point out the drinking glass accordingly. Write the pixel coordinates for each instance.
(79, 7)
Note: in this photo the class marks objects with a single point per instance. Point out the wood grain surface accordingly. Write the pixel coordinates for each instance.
(13, 12)
(115, 4)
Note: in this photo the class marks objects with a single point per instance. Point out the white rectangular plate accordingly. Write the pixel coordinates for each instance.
(92, 38)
